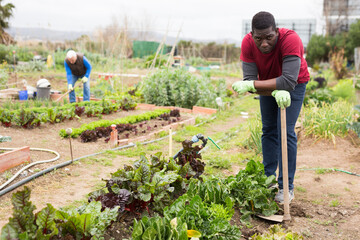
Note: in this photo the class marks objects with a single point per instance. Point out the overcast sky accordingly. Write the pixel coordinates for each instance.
(200, 19)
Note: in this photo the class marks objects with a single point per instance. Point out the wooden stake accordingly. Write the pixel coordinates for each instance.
(170, 142)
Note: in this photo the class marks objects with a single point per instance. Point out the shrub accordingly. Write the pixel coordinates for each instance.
(318, 49)
(345, 90)
(180, 88)
(32, 66)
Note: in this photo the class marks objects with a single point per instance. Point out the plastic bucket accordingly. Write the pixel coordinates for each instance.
(43, 93)
(23, 95)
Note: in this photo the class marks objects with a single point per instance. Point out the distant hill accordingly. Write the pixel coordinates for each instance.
(43, 34)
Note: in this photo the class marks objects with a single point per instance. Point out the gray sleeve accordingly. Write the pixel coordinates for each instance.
(290, 72)
(250, 71)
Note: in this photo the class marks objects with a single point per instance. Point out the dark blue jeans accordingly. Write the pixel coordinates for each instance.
(86, 90)
(271, 137)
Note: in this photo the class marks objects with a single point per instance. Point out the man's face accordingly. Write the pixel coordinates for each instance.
(72, 60)
(265, 39)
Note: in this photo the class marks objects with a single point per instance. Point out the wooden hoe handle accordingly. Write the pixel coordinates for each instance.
(285, 170)
(57, 100)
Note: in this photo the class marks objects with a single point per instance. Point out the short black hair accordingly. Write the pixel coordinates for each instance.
(263, 20)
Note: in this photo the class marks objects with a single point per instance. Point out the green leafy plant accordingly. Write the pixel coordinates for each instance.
(6, 117)
(86, 222)
(319, 96)
(26, 119)
(215, 194)
(158, 228)
(197, 215)
(21, 224)
(250, 189)
(277, 232)
(54, 115)
(149, 181)
(344, 89)
(32, 66)
(106, 123)
(180, 88)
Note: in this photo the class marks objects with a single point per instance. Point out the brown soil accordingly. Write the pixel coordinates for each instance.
(326, 204)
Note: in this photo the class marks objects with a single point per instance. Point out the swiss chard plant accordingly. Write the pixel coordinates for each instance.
(22, 222)
(86, 222)
(26, 119)
(6, 117)
(190, 156)
(158, 228)
(148, 181)
(251, 192)
(54, 115)
(79, 110)
(201, 216)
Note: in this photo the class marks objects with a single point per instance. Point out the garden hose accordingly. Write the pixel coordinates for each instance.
(60, 165)
(214, 143)
(220, 140)
(330, 169)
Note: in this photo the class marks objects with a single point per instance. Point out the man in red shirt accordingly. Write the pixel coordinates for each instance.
(275, 68)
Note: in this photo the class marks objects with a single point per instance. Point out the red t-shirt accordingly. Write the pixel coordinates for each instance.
(269, 65)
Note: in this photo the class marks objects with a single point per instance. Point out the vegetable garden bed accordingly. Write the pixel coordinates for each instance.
(189, 205)
(32, 117)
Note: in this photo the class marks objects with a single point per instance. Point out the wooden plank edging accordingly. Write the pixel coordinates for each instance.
(14, 158)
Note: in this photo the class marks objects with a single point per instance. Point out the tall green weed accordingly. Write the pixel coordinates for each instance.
(328, 120)
(254, 141)
(4, 76)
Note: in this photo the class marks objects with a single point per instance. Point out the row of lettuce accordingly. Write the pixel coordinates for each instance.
(180, 202)
(76, 132)
(91, 132)
(34, 117)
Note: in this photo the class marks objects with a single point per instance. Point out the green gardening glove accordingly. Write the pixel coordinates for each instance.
(282, 98)
(84, 79)
(243, 86)
(70, 87)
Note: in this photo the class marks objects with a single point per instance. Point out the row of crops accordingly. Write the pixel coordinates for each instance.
(177, 202)
(35, 116)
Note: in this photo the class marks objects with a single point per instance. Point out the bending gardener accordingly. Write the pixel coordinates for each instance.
(275, 68)
(77, 67)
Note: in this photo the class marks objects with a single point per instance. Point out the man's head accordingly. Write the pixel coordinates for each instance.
(71, 56)
(264, 31)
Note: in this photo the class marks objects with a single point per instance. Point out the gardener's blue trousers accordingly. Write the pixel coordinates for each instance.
(271, 137)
